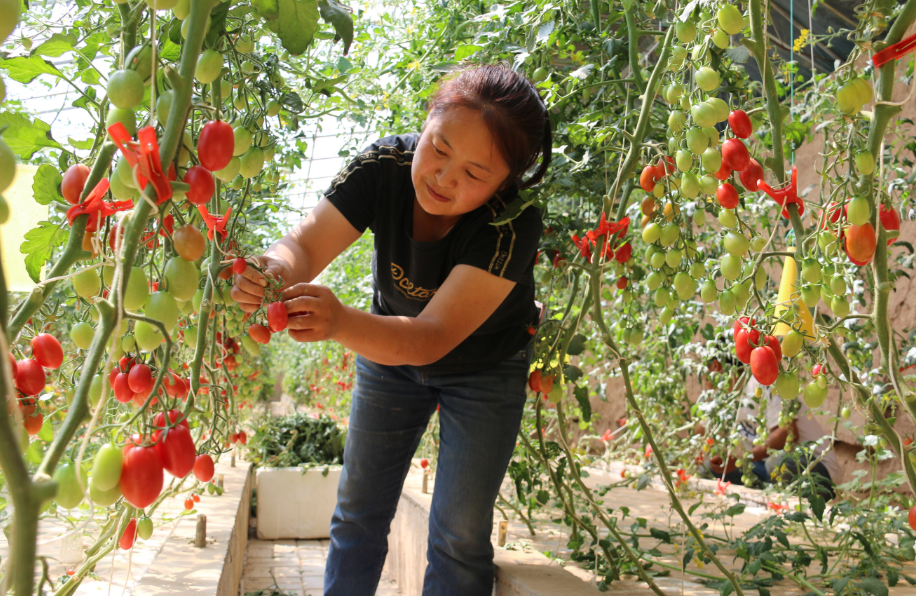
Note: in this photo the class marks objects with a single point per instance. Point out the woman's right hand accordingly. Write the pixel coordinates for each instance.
(248, 288)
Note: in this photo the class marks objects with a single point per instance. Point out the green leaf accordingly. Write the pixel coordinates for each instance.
(465, 50)
(872, 586)
(334, 13)
(542, 497)
(39, 242)
(170, 52)
(515, 208)
(660, 535)
(269, 9)
(45, 185)
(217, 24)
(25, 70)
(84, 145)
(47, 432)
(817, 506)
(296, 24)
(24, 136)
(763, 591)
(576, 345)
(581, 395)
(57, 45)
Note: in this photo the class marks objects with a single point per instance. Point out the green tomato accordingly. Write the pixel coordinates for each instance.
(757, 243)
(654, 280)
(243, 139)
(128, 343)
(839, 306)
(273, 107)
(686, 32)
(145, 528)
(661, 297)
(209, 65)
(182, 277)
(704, 114)
(711, 160)
(727, 218)
(676, 120)
(792, 343)
(838, 285)
(706, 78)
(137, 291)
(669, 234)
(163, 105)
(125, 117)
(120, 191)
(730, 266)
(846, 413)
(720, 39)
(684, 160)
(858, 211)
(736, 244)
(810, 294)
(815, 395)
(708, 185)
(742, 293)
(708, 291)
(69, 494)
(673, 258)
(95, 390)
(539, 74)
(190, 337)
(699, 217)
(82, 333)
(690, 186)
(140, 59)
(811, 271)
(251, 163)
(182, 9)
(148, 337)
(685, 286)
(713, 135)
(827, 242)
(125, 89)
(106, 468)
(760, 278)
(657, 260)
(124, 174)
(651, 232)
(727, 303)
(730, 19)
(665, 316)
(252, 347)
(786, 385)
(847, 99)
(722, 109)
(865, 162)
(162, 307)
(104, 498)
(87, 283)
(231, 170)
(162, 4)
(697, 141)
(697, 269)
(9, 16)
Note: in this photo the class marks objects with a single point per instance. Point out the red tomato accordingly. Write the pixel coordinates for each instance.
(168, 225)
(47, 351)
(126, 363)
(740, 124)
(277, 317)
(773, 343)
(30, 376)
(239, 265)
(727, 196)
(13, 365)
(141, 476)
(649, 177)
(189, 504)
(764, 365)
(665, 166)
(912, 517)
(624, 253)
(546, 384)
(203, 468)
(259, 333)
(129, 535)
(202, 184)
(424, 463)
(33, 423)
(176, 450)
(744, 344)
(907, 441)
(891, 222)
(172, 384)
(122, 390)
(860, 243)
(71, 187)
(724, 172)
(140, 379)
(751, 175)
(215, 145)
(744, 321)
(113, 235)
(534, 381)
(735, 155)
(622, 282)
(196, 498)
(242, 437)
(159, 419)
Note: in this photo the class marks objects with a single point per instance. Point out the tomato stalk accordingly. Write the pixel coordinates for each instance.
(634, 33)
(595, 287)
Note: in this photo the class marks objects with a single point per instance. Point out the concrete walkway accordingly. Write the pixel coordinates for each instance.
(297, 567)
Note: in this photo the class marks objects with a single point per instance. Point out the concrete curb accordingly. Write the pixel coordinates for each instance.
(517, 573)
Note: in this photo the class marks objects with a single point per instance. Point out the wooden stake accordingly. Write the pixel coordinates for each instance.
(200, 541)
(426, 482)
(232, 461)
(503, 528)
(219, 480)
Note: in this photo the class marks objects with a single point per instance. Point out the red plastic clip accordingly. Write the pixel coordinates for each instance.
(583, 247)
(95, 207)
(895, 52)
(146, 160)
(785, 196)
(214, 222)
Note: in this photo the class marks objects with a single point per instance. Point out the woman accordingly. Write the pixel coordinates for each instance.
(453, 301)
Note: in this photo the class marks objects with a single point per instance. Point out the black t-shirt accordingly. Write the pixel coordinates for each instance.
(375, 191)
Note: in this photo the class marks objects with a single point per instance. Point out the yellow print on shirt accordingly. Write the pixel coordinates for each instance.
(405, 287)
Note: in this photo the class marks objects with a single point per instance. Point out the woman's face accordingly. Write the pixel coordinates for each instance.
(456, 167)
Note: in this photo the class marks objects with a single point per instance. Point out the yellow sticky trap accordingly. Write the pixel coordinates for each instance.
(25, 214)
(789, 297)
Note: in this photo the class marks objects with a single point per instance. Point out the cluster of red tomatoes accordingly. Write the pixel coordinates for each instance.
(861, 241)
(763, 356)
(29, 376)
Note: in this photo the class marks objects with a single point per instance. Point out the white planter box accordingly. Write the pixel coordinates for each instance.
(296, 503)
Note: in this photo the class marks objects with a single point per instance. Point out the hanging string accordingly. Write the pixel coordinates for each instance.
(791, 73)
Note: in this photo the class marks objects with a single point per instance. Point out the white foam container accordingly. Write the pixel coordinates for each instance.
(296, 503)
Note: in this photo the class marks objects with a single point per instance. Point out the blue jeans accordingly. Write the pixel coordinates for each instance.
(479, 420)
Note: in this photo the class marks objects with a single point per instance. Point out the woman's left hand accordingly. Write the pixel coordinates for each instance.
(315, 313)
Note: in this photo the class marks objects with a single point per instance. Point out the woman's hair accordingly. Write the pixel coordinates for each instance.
(512, 110)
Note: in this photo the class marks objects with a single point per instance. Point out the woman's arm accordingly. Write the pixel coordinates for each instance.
(299, 256)
(462, 303)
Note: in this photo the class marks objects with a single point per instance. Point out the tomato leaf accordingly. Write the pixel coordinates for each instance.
(25, 70)
(47, 432)
(57, 45)
(217, 24)
(581, 395)
(26, 137)
(84, 145)
(296, 24)
(269, 9)
(45, 185)
(334, 13)
(39, 242)
(515, 208)
(873, 586)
